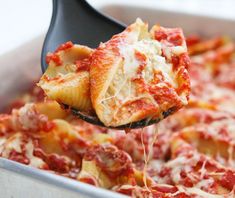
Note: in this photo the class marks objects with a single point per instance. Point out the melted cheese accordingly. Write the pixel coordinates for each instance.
(204, 183)
(181, 163)
(15, 143)
(199, 193)
(148, 156)
(34, 161)
(12, 143)
(155, 61)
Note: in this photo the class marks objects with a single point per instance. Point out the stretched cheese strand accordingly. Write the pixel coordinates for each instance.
(147, 156)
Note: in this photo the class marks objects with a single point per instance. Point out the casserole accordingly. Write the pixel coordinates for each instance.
(10, 168)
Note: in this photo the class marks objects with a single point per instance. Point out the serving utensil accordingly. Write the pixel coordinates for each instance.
(77, 21)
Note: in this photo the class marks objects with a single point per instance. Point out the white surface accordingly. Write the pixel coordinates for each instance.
(22, 20)
(217, 8)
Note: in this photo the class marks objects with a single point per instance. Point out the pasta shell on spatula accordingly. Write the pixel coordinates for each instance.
(135, 79)
(66, 79)
(139, 75)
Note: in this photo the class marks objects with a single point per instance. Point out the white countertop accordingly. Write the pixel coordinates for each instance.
(22, 20)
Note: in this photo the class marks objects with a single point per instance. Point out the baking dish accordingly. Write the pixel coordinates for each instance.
(17, 180)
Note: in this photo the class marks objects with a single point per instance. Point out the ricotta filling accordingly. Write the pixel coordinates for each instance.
(152, 49)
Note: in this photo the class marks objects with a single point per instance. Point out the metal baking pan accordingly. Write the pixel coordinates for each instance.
(20, 181)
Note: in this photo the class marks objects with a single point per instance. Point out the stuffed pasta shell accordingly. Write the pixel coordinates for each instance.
(139, 75)
(66, 79)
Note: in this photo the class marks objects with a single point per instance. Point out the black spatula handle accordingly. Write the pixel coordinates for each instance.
(77, 21)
